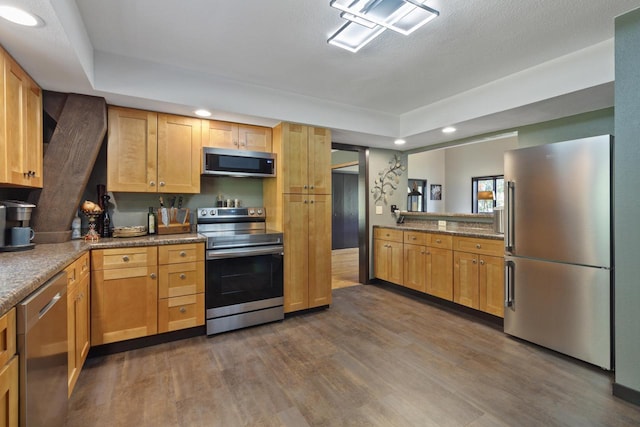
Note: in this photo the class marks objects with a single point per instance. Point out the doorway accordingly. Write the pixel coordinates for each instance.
(349, 216)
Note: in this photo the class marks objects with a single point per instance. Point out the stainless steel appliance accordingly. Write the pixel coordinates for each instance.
(219, 161)
(42, 345)
(558, 247)
(16, 214)
(244, 268)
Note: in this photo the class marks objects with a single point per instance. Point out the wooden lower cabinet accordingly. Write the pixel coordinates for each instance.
(78, 317)
(9, 387)
(415, 267)
(124, 300)
(439, 281)
(181, 286)
(388, 253)
(307, 246)
(478, 274)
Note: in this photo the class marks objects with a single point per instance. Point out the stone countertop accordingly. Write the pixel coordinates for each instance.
(456, 229)
(23, 272)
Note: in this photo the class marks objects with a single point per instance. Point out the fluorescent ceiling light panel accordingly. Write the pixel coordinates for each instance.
(403, 16)
(353, 37)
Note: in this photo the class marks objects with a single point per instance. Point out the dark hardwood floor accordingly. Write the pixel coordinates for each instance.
(375, 358)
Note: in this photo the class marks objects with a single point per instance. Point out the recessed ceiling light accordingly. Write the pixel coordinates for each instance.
(449, 129)
(203, 113)
(20, 17)
(399, 141)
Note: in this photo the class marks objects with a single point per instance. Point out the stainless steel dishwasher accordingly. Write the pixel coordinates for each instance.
(42, 345)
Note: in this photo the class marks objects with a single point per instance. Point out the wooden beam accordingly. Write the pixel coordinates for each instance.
(344, 165)
(68, 163)
(53, 103)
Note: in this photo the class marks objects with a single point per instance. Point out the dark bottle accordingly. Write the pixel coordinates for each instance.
(106, 218)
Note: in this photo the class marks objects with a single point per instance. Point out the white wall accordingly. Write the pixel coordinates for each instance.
(473, 160)
(429, 165)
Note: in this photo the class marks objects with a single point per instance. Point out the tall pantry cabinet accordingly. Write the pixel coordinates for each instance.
(298, 202)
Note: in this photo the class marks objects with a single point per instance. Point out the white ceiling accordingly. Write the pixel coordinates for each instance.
(482, 66)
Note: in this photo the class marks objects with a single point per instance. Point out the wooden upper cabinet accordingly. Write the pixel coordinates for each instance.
(152, 152)
(21, 130)
(306, 159)
(179, 154)
(132, 150)
(236, 136)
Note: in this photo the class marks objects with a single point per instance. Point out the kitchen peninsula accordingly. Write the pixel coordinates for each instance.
(454, 257)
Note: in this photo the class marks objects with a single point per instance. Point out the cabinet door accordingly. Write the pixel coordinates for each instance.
(9, 393)
(440, 273)
(491, 282)
(83, 321)
(132, 150)
(415, 267)
(179, 141)
(396, 265)
(295, 158)
(33, 138)
(380, 259)
(319, 159)
(296, 252)
(465, 279)
(15, 85)
(124, 304)
(254, 138)
(319, 250)
(219, 134)
(72, 365)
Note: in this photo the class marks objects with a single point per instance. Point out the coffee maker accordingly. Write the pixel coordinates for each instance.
(15, 214)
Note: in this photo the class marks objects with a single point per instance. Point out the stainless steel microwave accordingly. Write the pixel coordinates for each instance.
(223, 162)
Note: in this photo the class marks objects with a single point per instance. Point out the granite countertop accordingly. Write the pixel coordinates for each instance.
(453, 228)
(23, 272)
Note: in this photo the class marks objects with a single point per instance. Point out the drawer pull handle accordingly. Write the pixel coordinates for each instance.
(438, 240)
(413, 237)
(152, 275)
(125, 258)
(183, 310)
(183, 276)
(183, 254)
(478, 246)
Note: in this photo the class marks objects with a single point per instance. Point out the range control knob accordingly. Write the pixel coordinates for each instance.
(252, 212)
(212, 212)
(259, 211)
(203, 213)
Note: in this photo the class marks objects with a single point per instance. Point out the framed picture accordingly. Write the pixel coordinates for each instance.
(436, 192)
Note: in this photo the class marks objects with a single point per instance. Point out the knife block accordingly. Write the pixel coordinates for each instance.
(174, 226)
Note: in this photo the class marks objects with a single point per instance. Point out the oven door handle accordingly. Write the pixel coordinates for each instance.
(244, 252)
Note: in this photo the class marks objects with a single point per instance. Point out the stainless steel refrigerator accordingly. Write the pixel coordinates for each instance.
(558, 247)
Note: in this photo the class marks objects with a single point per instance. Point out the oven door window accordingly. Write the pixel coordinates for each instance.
(239, 280)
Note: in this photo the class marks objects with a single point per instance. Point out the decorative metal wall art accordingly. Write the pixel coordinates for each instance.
(388, 180)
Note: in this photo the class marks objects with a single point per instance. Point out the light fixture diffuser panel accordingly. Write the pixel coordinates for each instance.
(354, 37)
(402, 16)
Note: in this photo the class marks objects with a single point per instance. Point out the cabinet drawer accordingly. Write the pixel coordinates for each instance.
(106, 259)
(479, 246)
(77, 270)
(442, 241)
(388, 234)
(7, 336)
(181, 279)
(188, 252)
(416, 238)
(180, 312)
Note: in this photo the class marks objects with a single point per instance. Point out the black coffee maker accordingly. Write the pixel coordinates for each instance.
(15, 214)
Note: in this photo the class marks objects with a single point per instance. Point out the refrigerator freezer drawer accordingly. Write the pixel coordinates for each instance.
(563, 307)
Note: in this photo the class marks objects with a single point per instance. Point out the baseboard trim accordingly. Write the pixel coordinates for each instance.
(136, 343)
(626, 393)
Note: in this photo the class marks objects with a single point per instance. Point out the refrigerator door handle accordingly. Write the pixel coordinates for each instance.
(508, 283)
(510, 217)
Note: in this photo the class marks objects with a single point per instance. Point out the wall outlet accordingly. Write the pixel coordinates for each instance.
(442, 225)
(378, 210)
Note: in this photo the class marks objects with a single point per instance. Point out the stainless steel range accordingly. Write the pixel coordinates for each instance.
(243, 271)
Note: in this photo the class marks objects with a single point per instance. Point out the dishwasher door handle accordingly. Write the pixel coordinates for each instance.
(49, 305)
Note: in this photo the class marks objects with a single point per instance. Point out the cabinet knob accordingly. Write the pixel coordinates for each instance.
(312, 187)
(305, 187)
(305, 201)
(235, 143)
(152, 183)
(311, 202)
(152, 275)
(478, 246)
(125, 258)
(183, 254)
(475, 261)
(481, 262)
(161, 183)
(183, 310)
(438, 240)
(413, 237)
(183, 276)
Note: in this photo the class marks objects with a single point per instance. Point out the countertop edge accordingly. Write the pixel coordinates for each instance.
(478, 233)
